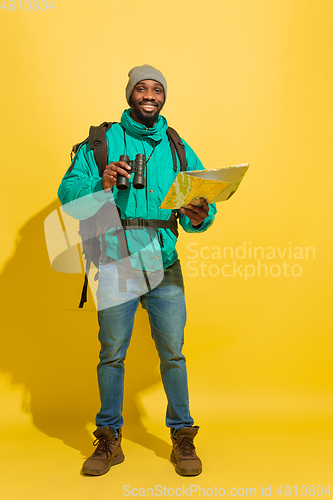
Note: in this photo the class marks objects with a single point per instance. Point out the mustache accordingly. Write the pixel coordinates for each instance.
(150, 103)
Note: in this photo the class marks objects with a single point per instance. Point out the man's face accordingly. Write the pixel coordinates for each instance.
(146, 102)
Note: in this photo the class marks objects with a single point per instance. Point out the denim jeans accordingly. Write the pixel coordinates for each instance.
(166, 309)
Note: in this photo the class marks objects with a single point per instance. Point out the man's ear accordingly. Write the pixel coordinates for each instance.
(130, 101)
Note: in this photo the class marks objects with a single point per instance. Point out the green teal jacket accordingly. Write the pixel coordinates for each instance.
(83, 180)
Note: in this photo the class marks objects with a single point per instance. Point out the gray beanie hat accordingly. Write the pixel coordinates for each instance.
(144, 72)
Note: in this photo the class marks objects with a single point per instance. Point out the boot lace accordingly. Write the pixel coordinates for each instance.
(185, 446)
(103, 447)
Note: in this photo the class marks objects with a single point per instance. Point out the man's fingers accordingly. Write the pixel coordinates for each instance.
(123, 172)
(204, 204)
(119, 167)
(196, 214)
(190, 214)
(112, 171)
(200, 210)
(121, 164)
(110, 174)
(194, 208)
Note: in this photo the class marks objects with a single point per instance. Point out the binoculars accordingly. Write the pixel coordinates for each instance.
(137, 166)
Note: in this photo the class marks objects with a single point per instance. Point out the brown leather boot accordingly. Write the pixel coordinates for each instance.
(183, 455)
(107, 453)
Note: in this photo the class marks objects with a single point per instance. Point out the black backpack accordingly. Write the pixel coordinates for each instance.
(98, 224)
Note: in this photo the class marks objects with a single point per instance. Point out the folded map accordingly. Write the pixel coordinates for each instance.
(213, 185)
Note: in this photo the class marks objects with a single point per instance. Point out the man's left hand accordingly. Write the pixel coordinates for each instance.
(196, 214)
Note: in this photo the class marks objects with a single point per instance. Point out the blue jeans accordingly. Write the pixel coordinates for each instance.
(165, 305)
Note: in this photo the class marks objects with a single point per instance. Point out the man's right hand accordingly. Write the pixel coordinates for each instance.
(111, 172)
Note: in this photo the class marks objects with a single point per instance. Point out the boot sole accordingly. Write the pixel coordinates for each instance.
(94, 472)
(183, 472)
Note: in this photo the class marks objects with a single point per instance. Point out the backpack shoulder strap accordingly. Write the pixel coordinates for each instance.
(91, 248)
(97, 142)
(177, 144)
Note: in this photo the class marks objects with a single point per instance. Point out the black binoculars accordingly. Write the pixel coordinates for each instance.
(137, 166)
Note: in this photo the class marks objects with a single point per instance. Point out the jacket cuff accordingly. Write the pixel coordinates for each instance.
(205, 224)
(99, 193)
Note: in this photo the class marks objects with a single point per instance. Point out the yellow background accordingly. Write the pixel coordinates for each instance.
(248, 81)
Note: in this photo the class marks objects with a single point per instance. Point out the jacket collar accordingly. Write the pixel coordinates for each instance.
(140, 131)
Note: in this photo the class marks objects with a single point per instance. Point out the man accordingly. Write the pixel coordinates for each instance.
(142, 130)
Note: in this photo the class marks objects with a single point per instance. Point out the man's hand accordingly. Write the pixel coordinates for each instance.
(111, 172)
(196, 214)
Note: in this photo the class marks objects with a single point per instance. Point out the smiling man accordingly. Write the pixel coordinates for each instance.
(142, 130)
(146, 102)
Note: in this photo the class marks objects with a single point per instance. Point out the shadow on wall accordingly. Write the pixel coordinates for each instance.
(51, 346)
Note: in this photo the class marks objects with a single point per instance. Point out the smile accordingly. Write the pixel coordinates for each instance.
(148, 107)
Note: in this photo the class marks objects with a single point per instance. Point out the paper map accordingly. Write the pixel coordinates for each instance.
(213, 185)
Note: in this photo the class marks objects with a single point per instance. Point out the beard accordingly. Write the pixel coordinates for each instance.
(147, 118)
